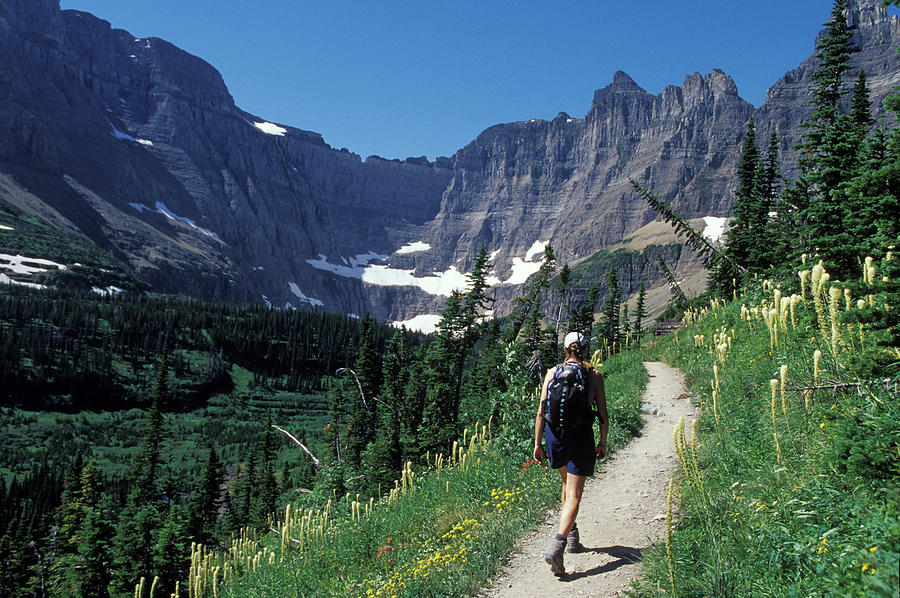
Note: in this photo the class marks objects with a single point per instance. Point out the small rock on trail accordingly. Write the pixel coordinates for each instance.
(620, 511)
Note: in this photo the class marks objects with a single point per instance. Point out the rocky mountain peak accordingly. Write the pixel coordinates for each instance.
(622, 85)
(867, 13)
(716, 85)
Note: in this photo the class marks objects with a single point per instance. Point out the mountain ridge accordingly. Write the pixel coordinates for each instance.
(140, 147)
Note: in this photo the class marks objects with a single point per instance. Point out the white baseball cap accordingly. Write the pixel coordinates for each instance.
(575, 337)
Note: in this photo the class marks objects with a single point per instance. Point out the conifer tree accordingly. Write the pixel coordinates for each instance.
(171, 554)
(640, 311)
(266, 495)
(93, 577)
(612, 306)
(362, 408)
(412, 428)
(203, 515)
(385, 454)
(746, 226)
(861, 108)
(562, 284)
(140, 520)
(527, 316)
(81, 566)
(439, 424)
(830, 149)
(457, 332)
(582, 318)
(486, 380)
(242, 494)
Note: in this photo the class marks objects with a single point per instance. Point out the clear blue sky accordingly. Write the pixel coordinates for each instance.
(410, 78)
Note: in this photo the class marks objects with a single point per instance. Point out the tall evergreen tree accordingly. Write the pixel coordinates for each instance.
(384, 457)
(81, 566)
(746, 227)
(526, 317)
(612, 308)
(266, 495)
(582, 317)
(861, 107)
(203, 514)
(830, 148)
(458, 330)
(171, 557)
(362, 407)
(562, 285)
(140, 520)
(640, 311)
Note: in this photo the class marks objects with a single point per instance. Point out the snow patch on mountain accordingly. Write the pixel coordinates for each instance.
(302, 297)
(440, 283)
(161, 208)
(126, 137)
(19, 264)
(424, 323)
(715, 227)
(270, 128)
(414, 247)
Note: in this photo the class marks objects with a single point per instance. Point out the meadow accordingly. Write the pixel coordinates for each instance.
(788, 485)
(441, 531)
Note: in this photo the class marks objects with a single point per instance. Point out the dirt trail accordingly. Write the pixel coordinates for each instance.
(622, 512)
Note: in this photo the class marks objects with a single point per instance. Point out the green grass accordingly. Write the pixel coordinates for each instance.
(448, 536)
(821, 519)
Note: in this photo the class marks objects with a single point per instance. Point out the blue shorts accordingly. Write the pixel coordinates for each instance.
(577, 454)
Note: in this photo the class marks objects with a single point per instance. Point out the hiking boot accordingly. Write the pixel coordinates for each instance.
(554, 556)
(573, 541)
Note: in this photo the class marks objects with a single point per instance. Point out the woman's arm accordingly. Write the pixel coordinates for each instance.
(600, 401)
(539, 454)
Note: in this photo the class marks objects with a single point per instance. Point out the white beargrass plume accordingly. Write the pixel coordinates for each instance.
(773, 383)
(834, 294)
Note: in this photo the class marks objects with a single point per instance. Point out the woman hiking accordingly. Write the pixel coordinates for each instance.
(565, 416)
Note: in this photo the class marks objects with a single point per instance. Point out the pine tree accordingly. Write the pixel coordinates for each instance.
(206, 502)
(362, 408)
(81, 566)
(830, 149)
(458, 330)
(562, 284)
(266, 492)
(171, 554)
(149, 460)
(93, 577)
(140, 520)
(612, 306)
(861, 108)
(439, 423)
(640, 311)
(746, 225)
(582, 318)
(384, 460)
(486, 381)
(525, 319)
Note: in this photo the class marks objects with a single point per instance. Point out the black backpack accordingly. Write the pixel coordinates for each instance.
(568, 405)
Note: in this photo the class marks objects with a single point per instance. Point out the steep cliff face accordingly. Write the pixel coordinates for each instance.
(138, 146)
(877, 36)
